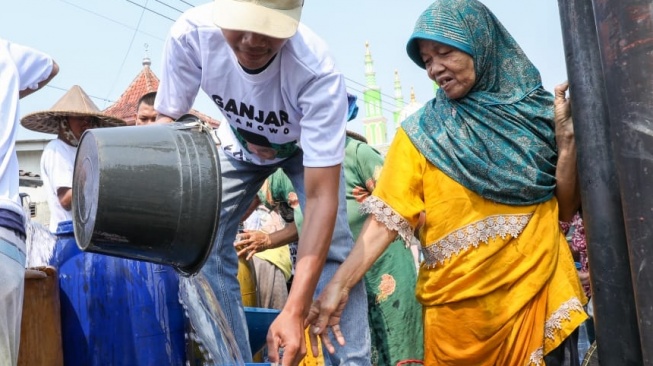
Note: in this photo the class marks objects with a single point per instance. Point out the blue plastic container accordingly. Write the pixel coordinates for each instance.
(258, 324)
(116, 311)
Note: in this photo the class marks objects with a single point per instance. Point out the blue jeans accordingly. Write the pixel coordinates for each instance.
(240, 183)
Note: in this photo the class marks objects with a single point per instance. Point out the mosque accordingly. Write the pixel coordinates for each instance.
(374, 122)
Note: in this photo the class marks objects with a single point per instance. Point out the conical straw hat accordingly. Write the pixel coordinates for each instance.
(74, 103)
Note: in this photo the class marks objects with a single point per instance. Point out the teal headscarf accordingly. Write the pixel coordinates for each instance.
(499, 139)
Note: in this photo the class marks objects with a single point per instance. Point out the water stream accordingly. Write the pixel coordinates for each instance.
(39, 242)
(210, 328)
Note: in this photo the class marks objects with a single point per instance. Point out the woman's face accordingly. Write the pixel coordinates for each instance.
(252, 50)
(450, 68)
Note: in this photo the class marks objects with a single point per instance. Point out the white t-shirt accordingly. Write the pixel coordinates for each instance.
(57, 164)
(20, 68)
(298, 101)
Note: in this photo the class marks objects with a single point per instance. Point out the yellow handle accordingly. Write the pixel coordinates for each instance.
(309, 360)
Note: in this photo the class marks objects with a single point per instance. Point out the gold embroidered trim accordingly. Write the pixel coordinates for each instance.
(384, 214)
(537, 357)
(563, 313)
(472, 235)
(553, 324)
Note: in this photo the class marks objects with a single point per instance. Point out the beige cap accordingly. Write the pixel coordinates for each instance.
(274, 18)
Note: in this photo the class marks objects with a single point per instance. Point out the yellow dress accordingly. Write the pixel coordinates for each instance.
(498, 284)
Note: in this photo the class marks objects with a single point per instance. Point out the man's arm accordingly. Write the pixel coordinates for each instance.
(65, 196)
(287, 331)
(53, 73)
(321, 186)
(284, 236)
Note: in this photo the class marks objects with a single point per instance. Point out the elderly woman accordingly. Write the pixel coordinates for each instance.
(498, 285)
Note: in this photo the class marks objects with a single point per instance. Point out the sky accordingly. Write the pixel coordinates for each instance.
(100, 44)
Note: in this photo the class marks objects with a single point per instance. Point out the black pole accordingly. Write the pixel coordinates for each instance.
(625, 34)
(612, 292)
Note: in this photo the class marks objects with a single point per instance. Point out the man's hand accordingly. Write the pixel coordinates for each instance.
(285, 340)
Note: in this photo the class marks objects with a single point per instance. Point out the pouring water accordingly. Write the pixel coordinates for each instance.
(210, 327)
(39, 242)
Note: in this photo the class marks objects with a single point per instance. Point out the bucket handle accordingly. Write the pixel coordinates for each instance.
(189, 121)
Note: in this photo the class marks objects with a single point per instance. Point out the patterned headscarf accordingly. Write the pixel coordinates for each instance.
(498, 140)
(65, 133)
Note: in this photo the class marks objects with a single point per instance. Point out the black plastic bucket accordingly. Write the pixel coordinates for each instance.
(149, 193)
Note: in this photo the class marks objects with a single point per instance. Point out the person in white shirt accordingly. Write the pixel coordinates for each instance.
(73, 114)
(285, 105)
(23, 70)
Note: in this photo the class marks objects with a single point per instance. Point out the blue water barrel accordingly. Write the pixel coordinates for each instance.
(116, 311)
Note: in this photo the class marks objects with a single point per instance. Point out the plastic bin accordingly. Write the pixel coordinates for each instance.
(116, 311)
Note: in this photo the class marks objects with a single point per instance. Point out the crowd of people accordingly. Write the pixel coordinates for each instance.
(483, 177)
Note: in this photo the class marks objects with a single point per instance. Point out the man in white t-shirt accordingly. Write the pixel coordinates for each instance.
(73, 114)
(285, 105)
(23, 71)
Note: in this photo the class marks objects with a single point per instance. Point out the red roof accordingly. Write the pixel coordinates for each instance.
(143, 83)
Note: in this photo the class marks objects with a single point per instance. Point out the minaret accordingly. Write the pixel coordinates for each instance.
(374, 121)
(410, 108)
(146, 60)
(399, 100)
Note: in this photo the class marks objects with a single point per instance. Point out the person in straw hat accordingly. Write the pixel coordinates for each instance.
(70, 116)
(285, 106)
(23, 70)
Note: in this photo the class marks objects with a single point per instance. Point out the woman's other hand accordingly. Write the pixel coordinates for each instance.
(564, 127)
(567, 189)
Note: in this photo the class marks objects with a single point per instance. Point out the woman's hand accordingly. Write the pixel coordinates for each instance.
(564, 127)
(251, 242)
(567, 189)
(325, 314)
